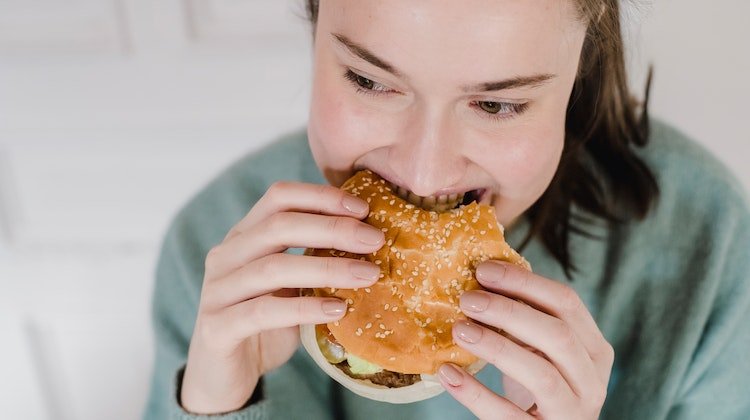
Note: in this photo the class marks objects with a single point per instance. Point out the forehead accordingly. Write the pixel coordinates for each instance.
(478, 38)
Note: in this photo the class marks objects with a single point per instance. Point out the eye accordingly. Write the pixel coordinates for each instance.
(500, 110)
(494, 107)
(365, 85)
(364, 82)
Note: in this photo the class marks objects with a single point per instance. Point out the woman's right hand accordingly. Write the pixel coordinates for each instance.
(249, 311)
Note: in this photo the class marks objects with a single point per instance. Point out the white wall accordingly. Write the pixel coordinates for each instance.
(113, 112)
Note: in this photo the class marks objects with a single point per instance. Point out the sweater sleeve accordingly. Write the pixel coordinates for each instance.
(716, 383)
(174, 308)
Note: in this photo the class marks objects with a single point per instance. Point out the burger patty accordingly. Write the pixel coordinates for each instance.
(384, 377)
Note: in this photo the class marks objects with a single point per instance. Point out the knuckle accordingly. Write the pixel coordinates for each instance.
(564, 336)
(499, 346)
(207, 332)
(212, 257)
(548, 382)
(597, 398)
(330, 267)
(475, 394)
(508, 307)
(334, 224)
(303, 308)
(322, 191)
(514, 415)
(524, 277)
(277, 221)
(255, 308)
(279, 187)
(570, 302)
(342, 226)
(605, 352)
(268, 265)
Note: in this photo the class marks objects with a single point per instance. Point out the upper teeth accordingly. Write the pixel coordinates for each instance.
(434, 203)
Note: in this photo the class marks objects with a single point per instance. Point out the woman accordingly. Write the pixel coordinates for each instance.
(638, 238)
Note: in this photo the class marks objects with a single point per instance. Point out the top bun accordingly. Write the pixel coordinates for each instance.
(403, 322)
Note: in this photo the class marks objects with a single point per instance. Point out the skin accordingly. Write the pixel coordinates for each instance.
(426, 134)
(421, 130)
(429, 136)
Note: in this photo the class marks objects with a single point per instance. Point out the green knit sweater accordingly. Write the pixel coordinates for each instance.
(671, 293)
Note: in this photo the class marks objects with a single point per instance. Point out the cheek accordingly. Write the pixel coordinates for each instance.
(339, 130)
(527, 165)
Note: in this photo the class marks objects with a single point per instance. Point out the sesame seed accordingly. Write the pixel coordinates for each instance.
(351, 309)
(386, 306)
(382, 326)
(368, 326)
(367, 290)
(392, 358)
(359, 331)
(394, 309)
(378, 316)
(336, 323)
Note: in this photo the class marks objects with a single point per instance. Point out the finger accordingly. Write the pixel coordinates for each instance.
(277, 271)
(550, 335)
(286, 230)
(555, 298)
(285, 196)
(484, 403)
(551, 393)
(242, 320)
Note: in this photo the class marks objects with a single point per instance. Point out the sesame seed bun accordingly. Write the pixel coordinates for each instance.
(403, 322)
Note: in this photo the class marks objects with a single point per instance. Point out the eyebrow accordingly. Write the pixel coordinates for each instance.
(511, 83)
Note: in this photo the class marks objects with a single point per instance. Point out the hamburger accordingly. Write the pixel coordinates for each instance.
(397, 332)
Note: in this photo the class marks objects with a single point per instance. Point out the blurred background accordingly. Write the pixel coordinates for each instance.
(114, 112)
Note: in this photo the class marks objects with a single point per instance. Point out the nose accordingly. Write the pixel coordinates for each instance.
(427, 156)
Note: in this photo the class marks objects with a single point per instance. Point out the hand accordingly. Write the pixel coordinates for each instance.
(550, 345)
(249, 311)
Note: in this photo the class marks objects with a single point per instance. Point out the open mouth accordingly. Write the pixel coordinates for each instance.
(438, 203)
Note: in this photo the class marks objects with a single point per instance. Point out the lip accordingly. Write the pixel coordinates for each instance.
(445, 191)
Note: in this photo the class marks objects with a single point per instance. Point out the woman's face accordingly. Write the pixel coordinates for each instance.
(443, 96)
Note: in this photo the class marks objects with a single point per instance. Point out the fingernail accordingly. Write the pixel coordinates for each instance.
(365, 271)
(369, 235)
(490, 272)
(451, 374)
(471, 333)
(474, 301)
(353, 204)
(334, 307)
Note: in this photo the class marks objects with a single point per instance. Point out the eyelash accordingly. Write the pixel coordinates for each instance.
(508, 109)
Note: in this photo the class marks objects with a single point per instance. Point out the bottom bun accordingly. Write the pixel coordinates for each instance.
(428, 387)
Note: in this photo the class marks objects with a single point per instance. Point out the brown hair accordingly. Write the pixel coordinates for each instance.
(599, 171)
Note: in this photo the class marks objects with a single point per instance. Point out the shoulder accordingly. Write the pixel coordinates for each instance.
(207, 216)
(702, 216)
(687, 173)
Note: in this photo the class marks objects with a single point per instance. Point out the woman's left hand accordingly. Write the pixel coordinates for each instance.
(568, 373)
